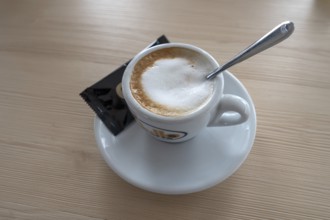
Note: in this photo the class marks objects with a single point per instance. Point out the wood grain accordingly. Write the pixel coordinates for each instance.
(50, 51)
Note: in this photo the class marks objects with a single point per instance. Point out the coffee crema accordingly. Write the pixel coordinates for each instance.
(171, 81)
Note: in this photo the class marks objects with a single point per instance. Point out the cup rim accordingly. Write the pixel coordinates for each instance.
(135, 106)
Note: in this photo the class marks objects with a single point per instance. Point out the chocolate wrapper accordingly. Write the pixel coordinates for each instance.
(105, 98)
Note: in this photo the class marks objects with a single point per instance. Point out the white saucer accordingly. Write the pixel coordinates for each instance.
(195, 165)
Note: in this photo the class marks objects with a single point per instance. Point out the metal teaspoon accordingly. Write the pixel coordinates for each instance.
(275, 36)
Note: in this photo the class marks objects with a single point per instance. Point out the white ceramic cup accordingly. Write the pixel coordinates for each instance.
(220, 109)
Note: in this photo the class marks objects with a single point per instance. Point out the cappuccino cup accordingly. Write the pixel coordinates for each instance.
(166, 89)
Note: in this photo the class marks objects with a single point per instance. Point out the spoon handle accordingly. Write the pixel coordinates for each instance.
(275, 36)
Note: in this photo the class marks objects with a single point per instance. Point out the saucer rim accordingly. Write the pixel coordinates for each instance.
(250, 142)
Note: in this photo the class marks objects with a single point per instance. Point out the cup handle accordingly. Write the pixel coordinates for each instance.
(231, 110)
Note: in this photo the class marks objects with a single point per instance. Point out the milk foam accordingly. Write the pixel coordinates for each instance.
(177, 84)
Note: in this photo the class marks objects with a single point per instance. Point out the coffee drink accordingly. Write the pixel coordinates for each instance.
(171, 81)
(166, 89)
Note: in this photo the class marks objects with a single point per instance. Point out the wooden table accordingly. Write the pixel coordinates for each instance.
(50, 167)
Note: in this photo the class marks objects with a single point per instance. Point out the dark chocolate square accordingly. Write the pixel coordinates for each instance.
(109, 106)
